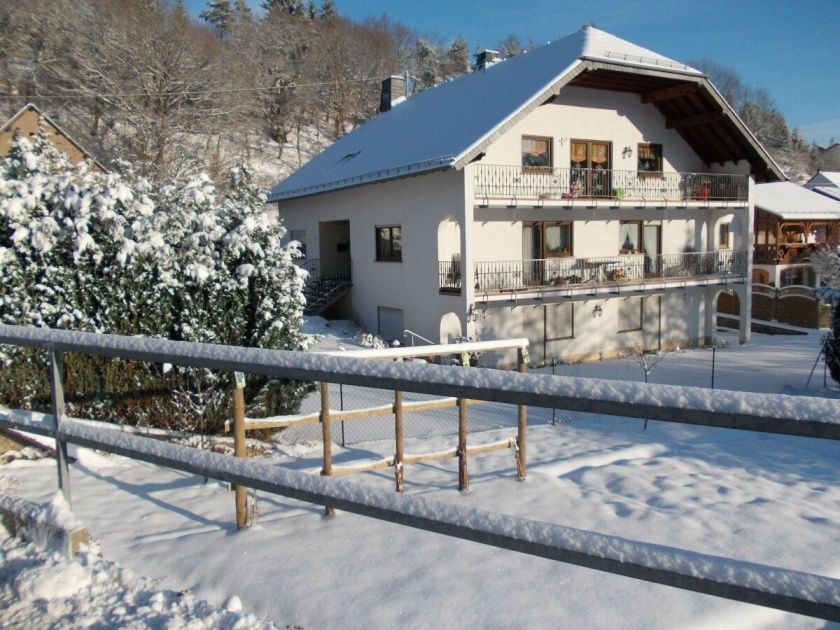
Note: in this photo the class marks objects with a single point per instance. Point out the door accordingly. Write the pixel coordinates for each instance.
(652, 246)
(532, 264)
(590, 169)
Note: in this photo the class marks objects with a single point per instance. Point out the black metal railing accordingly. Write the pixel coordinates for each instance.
(511, 183)
(324, 285)
(626, 268)
(449, 276)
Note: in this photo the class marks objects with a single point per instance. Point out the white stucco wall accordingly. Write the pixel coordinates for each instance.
(418, 205)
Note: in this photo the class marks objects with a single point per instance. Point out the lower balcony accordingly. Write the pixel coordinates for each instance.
(631, 270)
(515, 184)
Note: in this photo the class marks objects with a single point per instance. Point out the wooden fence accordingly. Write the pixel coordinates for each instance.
(327, 416)
(787, 590)
(794, 305)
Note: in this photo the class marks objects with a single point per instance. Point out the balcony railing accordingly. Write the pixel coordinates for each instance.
(789, 254)
(611, 270)
(547, 183)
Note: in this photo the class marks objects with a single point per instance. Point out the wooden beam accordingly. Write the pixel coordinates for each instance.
(692, 121)
(326, 434)
(667, 93)
(239, 449)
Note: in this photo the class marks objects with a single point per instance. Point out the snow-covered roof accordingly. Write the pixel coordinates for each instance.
(433, 129)
(825, 178)
(828, 191)
(792, 201)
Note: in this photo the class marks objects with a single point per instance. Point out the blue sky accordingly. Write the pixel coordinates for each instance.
(790, 48)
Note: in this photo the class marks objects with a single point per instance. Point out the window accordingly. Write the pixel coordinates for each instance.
(649, 160)
(546, 239)
(388, 244)
(629, 237)
(630, 314)
(536, 152)
(723, 236)
(559, 321)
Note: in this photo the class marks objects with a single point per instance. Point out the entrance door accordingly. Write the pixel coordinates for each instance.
(334, 251)
(590, 172)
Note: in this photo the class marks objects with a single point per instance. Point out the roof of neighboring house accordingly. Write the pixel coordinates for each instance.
(828, 191)
(10, 124)
(792, 201)
(450, 124)
(825, 178)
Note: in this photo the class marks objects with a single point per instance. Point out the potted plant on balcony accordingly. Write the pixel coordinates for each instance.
(618, 193)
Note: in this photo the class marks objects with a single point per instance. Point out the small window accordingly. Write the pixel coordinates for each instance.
(546, 240)
(629, 237)
(723, 236)
(389, 244)
(649, 160)
(630, 314)
(536, 152)
(559, 321)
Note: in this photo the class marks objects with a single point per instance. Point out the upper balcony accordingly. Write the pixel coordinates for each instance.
(570, 187)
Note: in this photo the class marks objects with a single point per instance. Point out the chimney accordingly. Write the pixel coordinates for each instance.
(487, 58)
(393, 92)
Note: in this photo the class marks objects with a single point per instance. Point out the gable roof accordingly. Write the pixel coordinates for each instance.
(31, 107)
(449, 125)
(792, 201)
(825, 178)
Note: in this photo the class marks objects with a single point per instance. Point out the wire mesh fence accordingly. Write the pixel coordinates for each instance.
(768, 364)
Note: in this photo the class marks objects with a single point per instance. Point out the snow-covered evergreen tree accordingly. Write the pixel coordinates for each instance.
(111, 253)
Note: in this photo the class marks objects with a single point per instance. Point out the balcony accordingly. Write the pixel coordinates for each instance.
(514, 184)
(612, 272)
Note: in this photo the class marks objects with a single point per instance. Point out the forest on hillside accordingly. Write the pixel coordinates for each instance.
(144, 81)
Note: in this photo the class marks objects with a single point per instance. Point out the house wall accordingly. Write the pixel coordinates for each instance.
(418, 205)
(670, 321)
(27, 125)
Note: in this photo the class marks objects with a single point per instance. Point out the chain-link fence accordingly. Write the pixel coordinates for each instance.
(768, 364)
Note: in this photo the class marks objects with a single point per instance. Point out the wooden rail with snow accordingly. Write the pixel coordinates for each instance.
(787, 590)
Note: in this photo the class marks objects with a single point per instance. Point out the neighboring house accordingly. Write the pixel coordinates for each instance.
(826, 183)
(791, 222)
(26, 123)
(590, 195)
(830, 157)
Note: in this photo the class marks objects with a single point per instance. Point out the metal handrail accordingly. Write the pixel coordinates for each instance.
(596, 271)
(415, 335)
(792, 591)
(501, 181)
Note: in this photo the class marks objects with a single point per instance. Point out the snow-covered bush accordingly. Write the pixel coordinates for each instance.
(111, 253)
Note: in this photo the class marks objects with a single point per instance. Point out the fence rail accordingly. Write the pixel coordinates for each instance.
(787, 590)
(508, 182)
(629, 268)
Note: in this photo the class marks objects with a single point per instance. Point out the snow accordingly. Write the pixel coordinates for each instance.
(47, 590)
(433, 128)
(757, 498)
(792, 201)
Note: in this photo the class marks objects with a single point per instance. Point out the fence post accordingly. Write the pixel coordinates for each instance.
(521, 441)
(58, 412)
(326, 433)
(463, 476)
(239, 448)
(398, 431)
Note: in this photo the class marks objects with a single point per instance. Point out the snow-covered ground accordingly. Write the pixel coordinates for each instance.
(764, 498)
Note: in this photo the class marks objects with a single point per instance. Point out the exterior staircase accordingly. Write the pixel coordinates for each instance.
(322, 290)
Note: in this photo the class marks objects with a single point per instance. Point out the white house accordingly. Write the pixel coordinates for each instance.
(590, 195)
